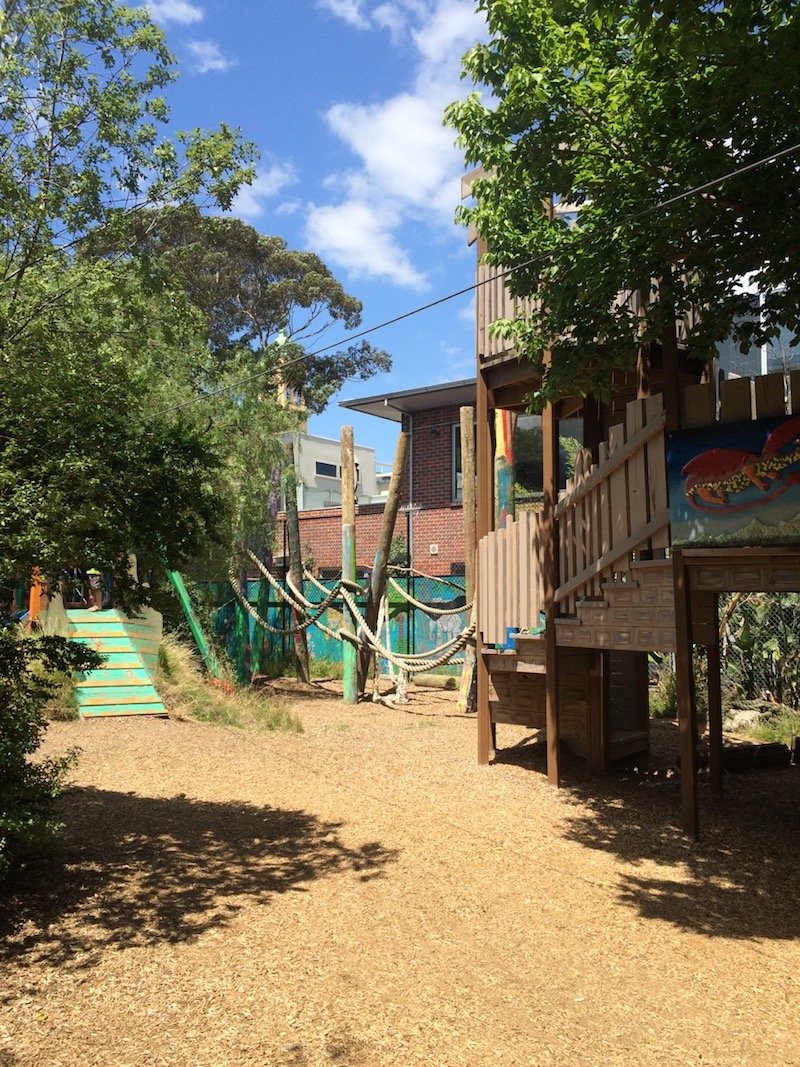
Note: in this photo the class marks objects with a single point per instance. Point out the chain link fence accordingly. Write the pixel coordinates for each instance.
(760, 647)
(412, 629)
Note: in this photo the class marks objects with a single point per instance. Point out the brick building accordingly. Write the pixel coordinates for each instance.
(430, 519)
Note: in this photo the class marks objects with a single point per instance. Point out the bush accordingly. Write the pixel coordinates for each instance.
(29, 670)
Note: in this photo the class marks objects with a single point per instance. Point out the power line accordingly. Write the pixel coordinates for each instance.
(533, 261)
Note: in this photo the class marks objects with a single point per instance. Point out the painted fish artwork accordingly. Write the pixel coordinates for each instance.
(736, 484)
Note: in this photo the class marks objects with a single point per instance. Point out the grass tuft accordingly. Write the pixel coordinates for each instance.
(782, 726)
(188, 694)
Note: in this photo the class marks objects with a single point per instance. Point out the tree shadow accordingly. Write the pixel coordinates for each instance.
(739, 881)
(140, 870)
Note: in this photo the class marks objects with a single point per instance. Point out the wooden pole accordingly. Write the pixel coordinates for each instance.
(349, 653)
(378, 583)
(295, 561)
(505, 424)
(549, 585)
(687, 708)
(467, 419)
(483, 524)
(715, 741)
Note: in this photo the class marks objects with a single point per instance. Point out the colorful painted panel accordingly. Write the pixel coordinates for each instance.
(736, 484)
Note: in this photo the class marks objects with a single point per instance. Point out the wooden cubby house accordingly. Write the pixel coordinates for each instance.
(598, 564)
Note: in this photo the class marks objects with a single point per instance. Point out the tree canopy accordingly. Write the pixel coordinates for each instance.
(81, 136)
(605, 110)
(143, 343)
(91, 350)
(252, 289)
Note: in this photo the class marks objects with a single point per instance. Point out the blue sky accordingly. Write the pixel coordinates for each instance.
(344, 100)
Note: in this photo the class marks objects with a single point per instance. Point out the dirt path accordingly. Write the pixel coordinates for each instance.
(365, 894)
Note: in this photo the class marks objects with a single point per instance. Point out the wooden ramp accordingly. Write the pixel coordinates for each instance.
(124, 683)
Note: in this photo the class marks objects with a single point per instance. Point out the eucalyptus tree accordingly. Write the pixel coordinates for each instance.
(616, 108)
(264, 304)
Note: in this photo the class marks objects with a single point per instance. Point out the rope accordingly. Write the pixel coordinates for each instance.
(412, 664)
(279, 631)
(429, 609)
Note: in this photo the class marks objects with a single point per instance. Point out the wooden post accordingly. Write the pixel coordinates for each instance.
(467, 419)
(483, 525)
(687, 709)
(467, 416)
(295, 562)
(669, 357)
(196, 630)
(349, 653)
(378, 582)
(715, 706)
(549, 585)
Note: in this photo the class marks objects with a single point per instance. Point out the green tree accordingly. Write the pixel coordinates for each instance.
(80, 146)
(27, 789)
(252, 290)
(88, 472)
(603, 110)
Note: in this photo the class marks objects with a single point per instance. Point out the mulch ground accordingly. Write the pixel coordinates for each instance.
(365, 893)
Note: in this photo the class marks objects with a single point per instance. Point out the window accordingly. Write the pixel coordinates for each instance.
(327, 470)
(456, 490)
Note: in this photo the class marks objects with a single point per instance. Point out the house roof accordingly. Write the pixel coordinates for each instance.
(408, 401)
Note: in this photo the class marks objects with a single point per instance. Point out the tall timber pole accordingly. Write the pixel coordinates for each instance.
(349, 652)
(466, 698)
(378, 582)
(295, 561)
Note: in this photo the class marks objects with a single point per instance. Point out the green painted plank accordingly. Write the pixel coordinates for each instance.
(116, 694)
(118, 644)
(115, 630)
(114, 676)
(107, 711)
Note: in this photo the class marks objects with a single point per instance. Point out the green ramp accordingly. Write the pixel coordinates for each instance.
(123, 685)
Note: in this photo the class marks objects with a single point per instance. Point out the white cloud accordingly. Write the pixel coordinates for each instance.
(180, 11)
(266, 184)
(359, 236)
(349, 10)
(451, 28)
(207, 57)
(408, 168)
(404, 150)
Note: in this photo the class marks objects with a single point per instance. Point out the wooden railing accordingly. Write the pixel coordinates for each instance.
(615, 507)
(510, 578)
(495, 302)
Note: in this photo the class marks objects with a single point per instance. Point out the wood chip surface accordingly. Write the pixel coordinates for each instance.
(365, 894)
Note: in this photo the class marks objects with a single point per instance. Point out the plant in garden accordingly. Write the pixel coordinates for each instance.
(27, 789)
(760, 649)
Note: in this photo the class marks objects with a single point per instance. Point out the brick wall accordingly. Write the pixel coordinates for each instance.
(321, 536)
(432, 456)
(434, 521)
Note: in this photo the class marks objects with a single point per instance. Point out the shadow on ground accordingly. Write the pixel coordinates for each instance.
(139, 870)
(739, 881)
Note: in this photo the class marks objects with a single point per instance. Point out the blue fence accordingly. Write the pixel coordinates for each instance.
(411, 629)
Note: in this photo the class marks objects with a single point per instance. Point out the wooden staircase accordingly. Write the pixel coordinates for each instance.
(123, 685)
(634, 613)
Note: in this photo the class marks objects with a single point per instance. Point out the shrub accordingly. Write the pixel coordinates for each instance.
(29, 676)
